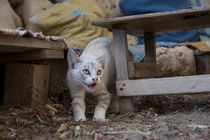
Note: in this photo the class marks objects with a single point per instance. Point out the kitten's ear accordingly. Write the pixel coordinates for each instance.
(72, 58)
(101, 60)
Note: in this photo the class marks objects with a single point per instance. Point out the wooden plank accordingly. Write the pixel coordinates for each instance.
(203, 64)
(121, 58)
(174, 85)
(32, 55)
(9, 44)
(2, 73)
(40, 85)
(18, 84)
(143, 70)
(26, 84)
(159, 22)
(150, 48)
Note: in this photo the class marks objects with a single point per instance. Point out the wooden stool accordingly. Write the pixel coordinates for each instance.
(148, 25)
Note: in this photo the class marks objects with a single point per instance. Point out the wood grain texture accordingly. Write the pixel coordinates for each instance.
(121, 55)
(150, 48)
(10, 44)
(18, 84)
(121, 58)
(32, 55)
(25, 84)
(143, 70)
(159, 22)
(203, 64)
(174, 85)
(2, 74)
(40, 85)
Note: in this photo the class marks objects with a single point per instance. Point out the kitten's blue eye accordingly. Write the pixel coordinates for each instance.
(86, 71)
(99, 72)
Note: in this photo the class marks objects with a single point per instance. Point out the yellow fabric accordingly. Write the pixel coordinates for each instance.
(71, 20)
(202, 46)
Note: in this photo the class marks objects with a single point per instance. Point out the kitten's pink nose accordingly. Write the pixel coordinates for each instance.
(95, 79)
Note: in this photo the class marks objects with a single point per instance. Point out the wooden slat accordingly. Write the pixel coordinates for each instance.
(18, 84)
(26, 84)
(32, 55)
(174, 85)
(150, 48)
(2, 74)
(10, 44)
(160, 22)
(143, 70)
(121, 58)
(203, 64)
(40, 85)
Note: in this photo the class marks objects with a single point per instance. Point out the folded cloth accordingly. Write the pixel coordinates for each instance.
(71, 20)
(202, 46)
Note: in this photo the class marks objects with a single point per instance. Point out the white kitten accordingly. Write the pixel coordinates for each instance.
(92, 72)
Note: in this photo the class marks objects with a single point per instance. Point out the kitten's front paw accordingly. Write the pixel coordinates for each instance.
(99, 119)
(80, 118)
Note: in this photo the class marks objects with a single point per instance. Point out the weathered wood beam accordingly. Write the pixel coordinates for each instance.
(203, 64)
(150, 48)
(156, 86)
(159, 22)
(32, 55)
(9, 44)
(26, 84)
(121, 58)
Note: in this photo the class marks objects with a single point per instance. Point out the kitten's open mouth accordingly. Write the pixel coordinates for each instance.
(92, 85)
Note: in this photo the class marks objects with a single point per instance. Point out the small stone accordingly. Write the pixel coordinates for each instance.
(150, 108)
(65, 134)
(194, 126)
(1, 128)
(180, 134)
(100, 135)
(161, 124)
(77, 131)
(135, 139)
(85, 132)
(14, 113)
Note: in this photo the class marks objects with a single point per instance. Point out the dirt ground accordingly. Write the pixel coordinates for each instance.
(182, 117)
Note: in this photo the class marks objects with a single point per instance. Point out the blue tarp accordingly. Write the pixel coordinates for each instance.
(134, 7)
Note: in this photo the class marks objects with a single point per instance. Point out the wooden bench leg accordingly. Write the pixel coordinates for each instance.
(122, 56)
(150, 48)
(2, 71)
(26, 84)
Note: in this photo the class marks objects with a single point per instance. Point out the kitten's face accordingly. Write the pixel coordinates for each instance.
(89, 74)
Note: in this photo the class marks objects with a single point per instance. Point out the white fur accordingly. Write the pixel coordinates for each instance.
(98, 55)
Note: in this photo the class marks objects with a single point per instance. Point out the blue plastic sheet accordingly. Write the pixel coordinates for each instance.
(134, 7)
